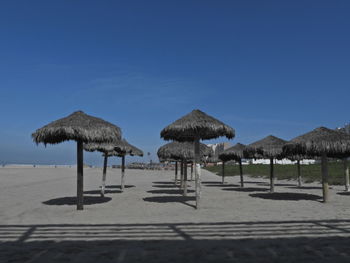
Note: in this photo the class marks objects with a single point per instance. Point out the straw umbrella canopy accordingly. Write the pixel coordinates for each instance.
(123, 148)
(270, 147)
(194, 127)
(346, 129)
(321, 142)
(297, 158)
(237, 153)
(120, 149)
(182, 151)
(81, 128)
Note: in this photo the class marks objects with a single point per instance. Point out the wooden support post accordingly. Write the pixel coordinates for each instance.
(241, 172)
(176, 172)
(299, 173)
(223, 172)
(122, 184)
(197, 172)
(324, 165)
(80, 176)
(272, 175)
(346, 175)
(103, 186)
(181, 174)
(192, 171)
(185, 178)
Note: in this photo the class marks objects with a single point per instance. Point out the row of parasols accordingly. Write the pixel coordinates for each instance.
(321, 142)
(96, 134)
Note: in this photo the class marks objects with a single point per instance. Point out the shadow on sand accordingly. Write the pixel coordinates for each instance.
(171, 199)
(287, 196)
(276, 184)
(318, 241)
(97, 192)
(165, 186)
(72, 200)
(246, 189)
(118, 186)
(344, 193)
(163, 182)
(221, 185)
(169, 191)
(305, 187)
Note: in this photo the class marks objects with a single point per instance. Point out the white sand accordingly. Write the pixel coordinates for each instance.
(32, 210)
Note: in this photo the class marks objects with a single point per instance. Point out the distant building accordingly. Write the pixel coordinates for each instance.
(217, 149)
(283, 161)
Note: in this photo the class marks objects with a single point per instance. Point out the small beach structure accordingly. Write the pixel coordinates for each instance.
(81, 128)
(270, 147)
(194, 127)
(120, 148)
(236, 153)
(182, 152)
(321, 142)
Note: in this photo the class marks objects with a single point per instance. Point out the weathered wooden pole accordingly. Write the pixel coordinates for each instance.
(299, 173)
(80, 176)
(241, 172)
(324, 165)
(272, 179)
(181, 174)
(192, 171)
(223, 172)
(185, 178)
(346, 174)
(122, 184)
(176, 172)
(103, 186)
(197, 172)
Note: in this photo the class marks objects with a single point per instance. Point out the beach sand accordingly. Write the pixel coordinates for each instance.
(151, 221)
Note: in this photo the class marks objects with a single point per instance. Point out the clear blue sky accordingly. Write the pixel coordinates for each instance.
(262, 67)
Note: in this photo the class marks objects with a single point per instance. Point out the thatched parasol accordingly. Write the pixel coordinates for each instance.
(183, 152)
(346, 129)
(322, 142)
(237, 153)
(123, 148)
(193, 127)
(101, 147)
(120, 149)
(297, 158)
(270, 147)
(81, 128)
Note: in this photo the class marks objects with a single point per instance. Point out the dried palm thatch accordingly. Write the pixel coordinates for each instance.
(196, 124)
(181, 151)
(235, 152)
(118, 148)
(82, 128)
(101, 147)
(193, 127)
(319, 141)
(125, 148)
(269, 147)
(322, 142)
(77, 126)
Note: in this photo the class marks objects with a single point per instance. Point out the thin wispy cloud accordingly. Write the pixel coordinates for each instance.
(139, 89)
(248, 120)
